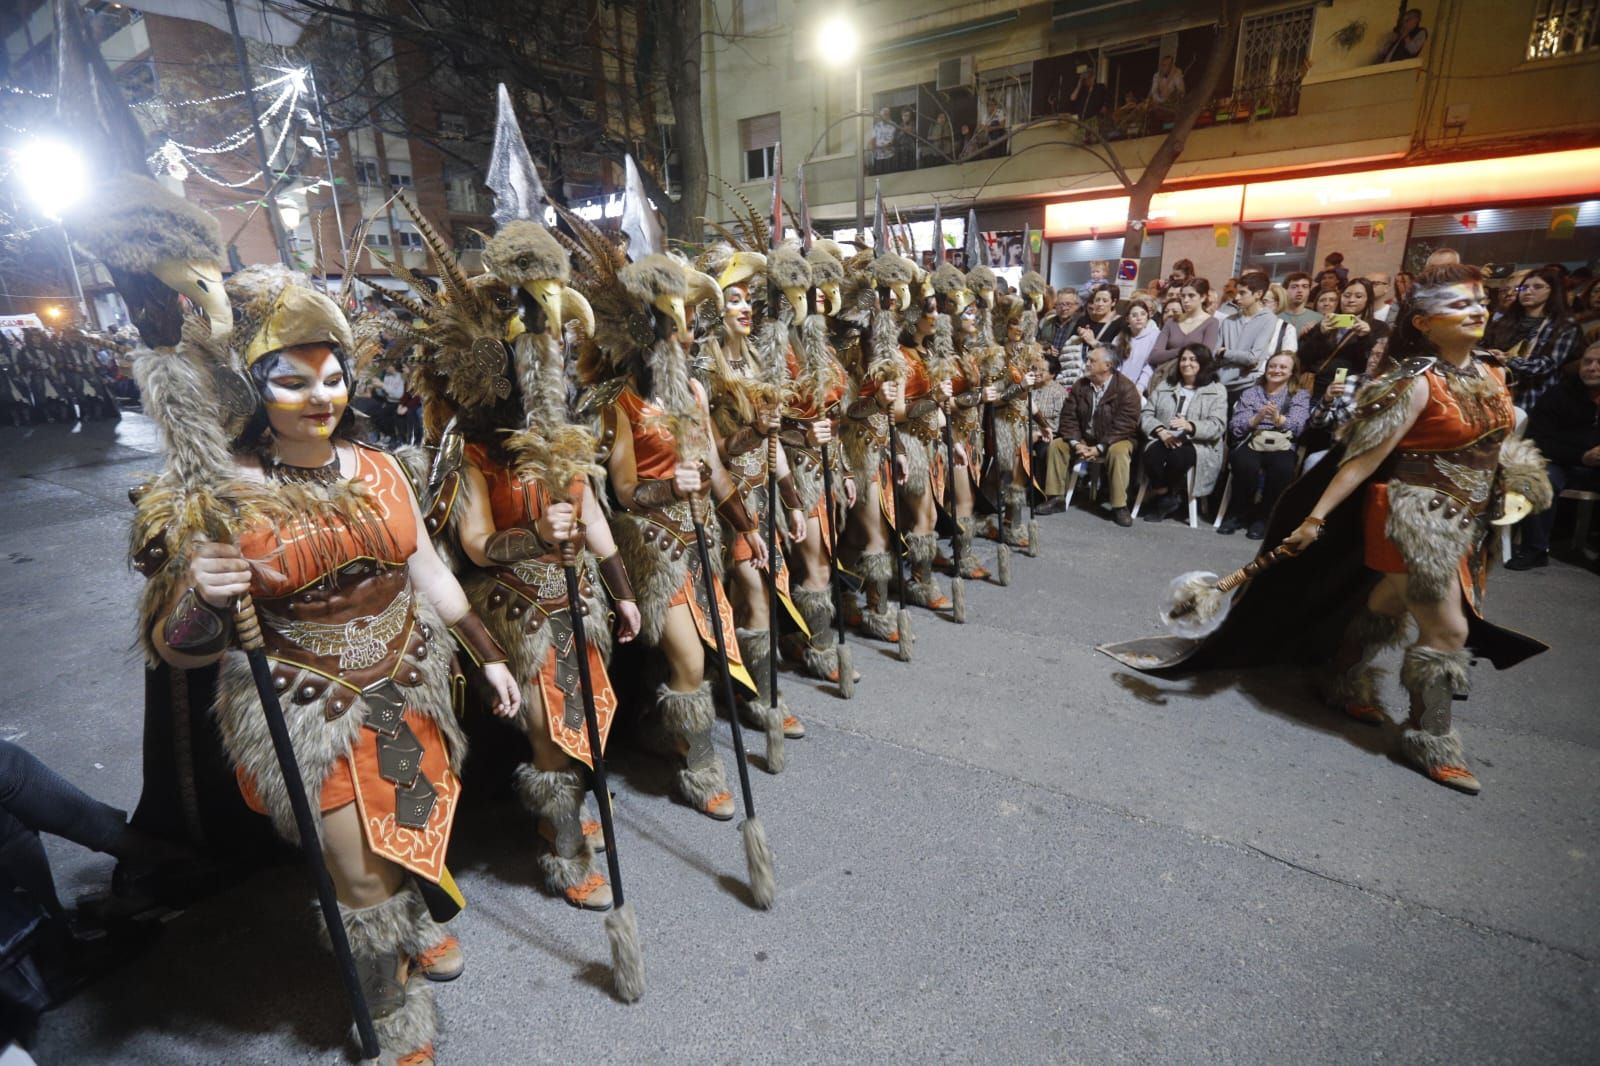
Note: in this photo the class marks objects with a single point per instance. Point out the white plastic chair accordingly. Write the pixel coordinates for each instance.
(1194, 504)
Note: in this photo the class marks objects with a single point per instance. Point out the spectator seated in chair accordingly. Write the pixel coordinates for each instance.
(1566, 426)
(1099, 423)
(1184, 421)
(1267, 422)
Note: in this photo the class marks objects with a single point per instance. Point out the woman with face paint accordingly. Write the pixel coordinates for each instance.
(956, 364)
(747, 379)
(356, 611)
(1430, 448)
(818, 387)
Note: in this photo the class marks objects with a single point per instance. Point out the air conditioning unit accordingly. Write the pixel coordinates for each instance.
(955, 73)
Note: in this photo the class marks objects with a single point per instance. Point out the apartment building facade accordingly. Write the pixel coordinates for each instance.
(1325, 133)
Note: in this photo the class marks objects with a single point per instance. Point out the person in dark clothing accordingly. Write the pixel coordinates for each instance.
(1566, 427)
(1099, 423)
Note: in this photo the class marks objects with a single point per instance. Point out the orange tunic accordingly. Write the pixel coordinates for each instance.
(655, 455)
(1443, 426)
(302, 553)
(514, 502)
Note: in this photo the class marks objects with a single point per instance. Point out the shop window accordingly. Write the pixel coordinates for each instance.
(1564, 27)
(1279, 249)
(1274, 51)
(759, 136)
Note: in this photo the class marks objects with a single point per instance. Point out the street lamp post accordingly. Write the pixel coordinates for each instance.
(54, 178)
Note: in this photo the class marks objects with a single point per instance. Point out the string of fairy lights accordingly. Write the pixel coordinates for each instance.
(179, 160)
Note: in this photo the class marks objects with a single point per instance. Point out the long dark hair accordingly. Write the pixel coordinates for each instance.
(1365, 286)
(1208, 365)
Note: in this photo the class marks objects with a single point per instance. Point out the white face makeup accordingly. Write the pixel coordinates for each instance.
(969, 319)
(736, 311)
(1452, 313)
(306, 393)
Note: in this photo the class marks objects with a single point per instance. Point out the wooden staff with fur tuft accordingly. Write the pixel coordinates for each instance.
(958, 587)
(757, 853)
(1197, 602)
(1002, 553)
(774, 735)
(248, 629)
(622, 924)
(902, 621)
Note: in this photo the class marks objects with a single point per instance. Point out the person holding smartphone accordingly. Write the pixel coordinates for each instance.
(1344, 339)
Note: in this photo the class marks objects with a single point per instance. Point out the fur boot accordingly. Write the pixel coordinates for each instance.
(687, 718)
(970, 567)
(380, 937)
(820, 655)
(922, 590)
(1435, 679)
(1016, 505)
(1350, 683)
(878, 618)
(566, 859)
(755, 648)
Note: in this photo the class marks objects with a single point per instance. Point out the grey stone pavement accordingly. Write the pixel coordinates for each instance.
(1011, 850)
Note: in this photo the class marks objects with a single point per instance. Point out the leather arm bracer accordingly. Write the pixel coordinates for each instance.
(514, 545)
(615, 577)
(655, 493)
(476, 640)
(733, 511)
(194, 627)
(788, 493)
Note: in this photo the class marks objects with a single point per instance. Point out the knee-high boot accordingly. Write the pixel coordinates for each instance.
(923, 590)
(1350, 683)
(381, 936)
(566, 855)
(687, 718)
(1435, 679)
(878, 618)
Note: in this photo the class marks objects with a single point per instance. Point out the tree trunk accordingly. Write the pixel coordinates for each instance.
(1197, 99)
(683, 64)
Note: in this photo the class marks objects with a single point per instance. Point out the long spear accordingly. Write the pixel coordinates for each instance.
(622, 924)
(757, 852)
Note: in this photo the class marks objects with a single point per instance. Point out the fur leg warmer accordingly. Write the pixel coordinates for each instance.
(1016, 504)
(820, 657)
(688, 717)
(970, 567)
(380, 936)
(922, 590)
(1351, 680)
(1434, 679)
(878, 618)
(556, 797)
(755, 648)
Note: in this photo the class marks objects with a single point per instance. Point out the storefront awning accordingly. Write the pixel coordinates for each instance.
(1509, 179)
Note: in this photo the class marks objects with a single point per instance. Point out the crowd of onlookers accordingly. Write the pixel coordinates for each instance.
(62, 376)
(1215, 399)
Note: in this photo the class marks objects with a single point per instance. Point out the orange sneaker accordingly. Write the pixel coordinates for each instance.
(793, 727)
(442, 962)
(1457, 777)
(1367, 713)
(720, 806)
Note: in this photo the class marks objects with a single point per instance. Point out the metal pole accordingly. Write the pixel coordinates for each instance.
(861, 163)
(333, 188)
(77, 282)
(278, 237)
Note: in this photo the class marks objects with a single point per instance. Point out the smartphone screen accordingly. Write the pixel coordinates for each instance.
(1343, 321)
(1340, 374)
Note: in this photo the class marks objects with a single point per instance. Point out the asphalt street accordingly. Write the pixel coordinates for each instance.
(1011, 850)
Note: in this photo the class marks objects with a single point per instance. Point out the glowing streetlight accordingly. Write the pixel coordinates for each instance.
(837, 41)
(52, 312)
(52, 175)
(838, 45)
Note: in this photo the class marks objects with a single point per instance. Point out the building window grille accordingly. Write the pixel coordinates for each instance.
(367, 172)
(1564, 28)
(1274, 50)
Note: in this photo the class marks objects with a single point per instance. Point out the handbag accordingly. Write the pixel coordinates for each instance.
(1270, 440)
